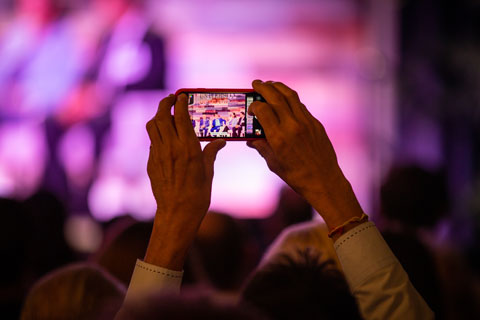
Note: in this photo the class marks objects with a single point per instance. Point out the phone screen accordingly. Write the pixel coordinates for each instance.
(224, 115)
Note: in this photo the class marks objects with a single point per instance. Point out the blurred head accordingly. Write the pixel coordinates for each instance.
(79, 291)
(13, 239)
(300, 288)
(218, 252)
(15, 279)
(311, 235)
(414, 196)
(129, 242)
(47, 246)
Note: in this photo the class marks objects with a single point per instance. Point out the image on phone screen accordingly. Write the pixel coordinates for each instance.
(224, 115)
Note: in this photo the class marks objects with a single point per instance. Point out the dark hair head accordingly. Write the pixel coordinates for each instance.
(217, 252)
(129, 242)
(414, 196)
(301, 288)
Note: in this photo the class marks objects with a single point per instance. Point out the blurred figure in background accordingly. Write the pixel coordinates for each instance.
(127, 60)
(300, 286)
(310, 235)
(415, 199)
(32, 82)
(217, 261)
(47, 247)
(14, 280)
(79, 291)
(34, 244)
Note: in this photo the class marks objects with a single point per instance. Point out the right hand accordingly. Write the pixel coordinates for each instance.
(299, 151)
(181, 177)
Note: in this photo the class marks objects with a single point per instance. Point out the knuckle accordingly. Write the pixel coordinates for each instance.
(177, 151)
(164, 102)
(292, 94)
(192, 155)
(276, 99)
(164, 122)
(149, 126)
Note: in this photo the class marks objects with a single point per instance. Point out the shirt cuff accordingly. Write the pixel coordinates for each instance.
(148, 278)
(362, 251)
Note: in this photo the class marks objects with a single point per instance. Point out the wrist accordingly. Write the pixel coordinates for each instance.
(169, 242)
(336, 202)
(166, 250)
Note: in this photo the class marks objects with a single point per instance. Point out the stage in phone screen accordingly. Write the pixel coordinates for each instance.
(219, 115)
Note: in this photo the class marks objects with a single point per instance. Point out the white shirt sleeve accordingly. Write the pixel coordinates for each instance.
(146, 280)
(376, 278)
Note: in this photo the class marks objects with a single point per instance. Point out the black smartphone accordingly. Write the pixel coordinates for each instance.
(222, 113)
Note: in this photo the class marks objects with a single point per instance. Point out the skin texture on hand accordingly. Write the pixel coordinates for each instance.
(299, 151)
(181, 177)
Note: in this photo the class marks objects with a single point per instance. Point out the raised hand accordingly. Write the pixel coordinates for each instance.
(181, 177)
(299, 151)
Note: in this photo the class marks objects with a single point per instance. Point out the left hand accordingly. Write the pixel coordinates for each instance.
(181, 177)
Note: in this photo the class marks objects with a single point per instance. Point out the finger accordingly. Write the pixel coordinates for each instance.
(297, 107)
(274, 98)
(153, 166)
(183, 123)
(164, 121)
(154, 134)
(264, 149)
(265, 115)
(210, 154)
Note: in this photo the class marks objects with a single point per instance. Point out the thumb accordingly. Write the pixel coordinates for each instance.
(264, 149)
(210, 154)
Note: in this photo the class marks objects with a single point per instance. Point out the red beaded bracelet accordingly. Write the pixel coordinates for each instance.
(341, 227)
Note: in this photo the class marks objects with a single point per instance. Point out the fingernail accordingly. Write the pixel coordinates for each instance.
(182, 96)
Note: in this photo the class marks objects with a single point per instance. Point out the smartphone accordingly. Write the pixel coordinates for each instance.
(222, 113)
